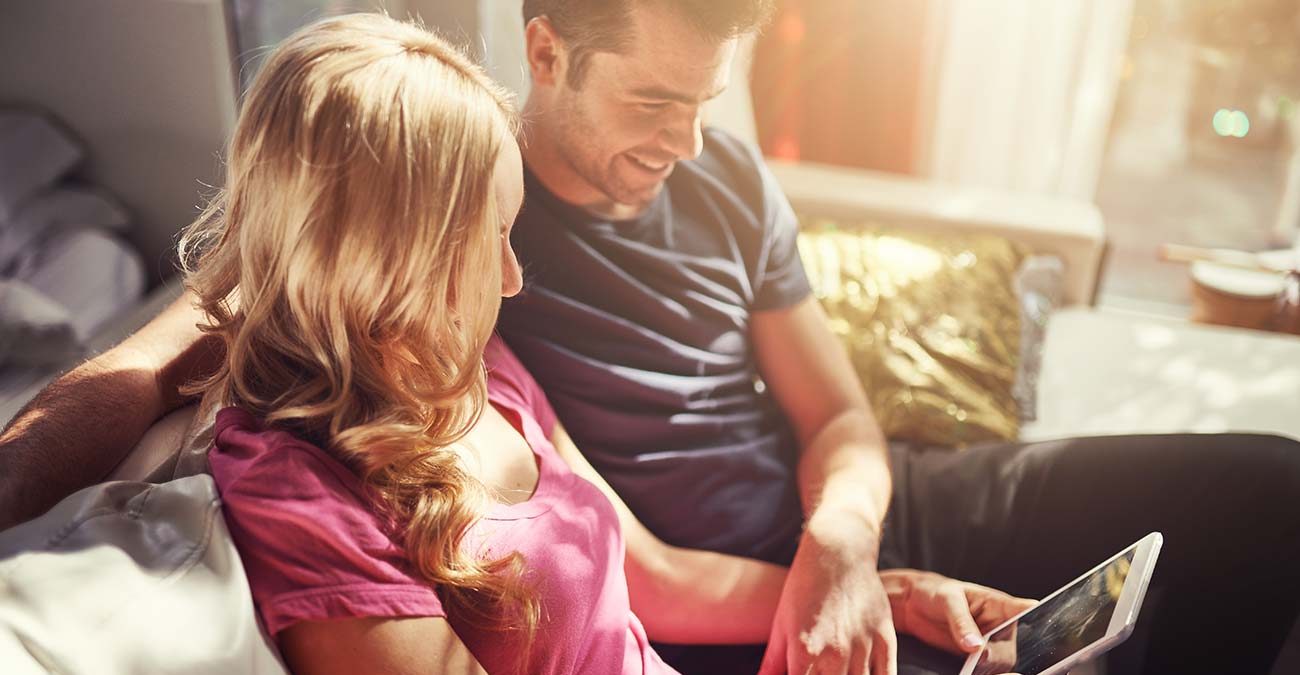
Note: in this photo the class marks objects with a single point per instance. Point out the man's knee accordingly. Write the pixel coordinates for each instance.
(1273, 451)
(1273, 463)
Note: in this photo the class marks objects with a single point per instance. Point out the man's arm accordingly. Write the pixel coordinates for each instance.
(834, 611)
(686, 596)
(843, 465)
(79, 427)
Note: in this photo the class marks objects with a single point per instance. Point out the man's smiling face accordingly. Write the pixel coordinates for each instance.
(633, 114)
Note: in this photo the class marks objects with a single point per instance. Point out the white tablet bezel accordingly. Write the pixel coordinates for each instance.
(1126, 609)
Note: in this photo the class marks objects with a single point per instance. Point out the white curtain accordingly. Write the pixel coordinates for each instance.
(501, 26)
(1022, 91)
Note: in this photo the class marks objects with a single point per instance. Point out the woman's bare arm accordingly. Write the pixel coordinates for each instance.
(79, 427)
(687, 596)
(423, 645)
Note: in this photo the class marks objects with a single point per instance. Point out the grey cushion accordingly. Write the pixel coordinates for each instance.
(93, 274)
(34, 329)
(1040, 285)
(50, 213)
(34, 154)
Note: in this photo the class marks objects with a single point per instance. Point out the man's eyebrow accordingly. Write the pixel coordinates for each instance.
(661, 93)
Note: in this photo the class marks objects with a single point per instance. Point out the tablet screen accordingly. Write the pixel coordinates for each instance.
(1059, 626)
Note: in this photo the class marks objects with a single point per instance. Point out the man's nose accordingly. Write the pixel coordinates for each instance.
(683, 138)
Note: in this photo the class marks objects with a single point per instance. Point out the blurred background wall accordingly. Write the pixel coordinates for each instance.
(145, 85)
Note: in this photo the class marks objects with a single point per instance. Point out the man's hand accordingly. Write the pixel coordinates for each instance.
(834, 615)
(946, 613)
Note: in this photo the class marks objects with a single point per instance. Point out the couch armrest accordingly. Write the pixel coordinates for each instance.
(1069, 229)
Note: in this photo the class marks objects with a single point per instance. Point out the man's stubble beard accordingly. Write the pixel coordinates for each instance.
(581, 154)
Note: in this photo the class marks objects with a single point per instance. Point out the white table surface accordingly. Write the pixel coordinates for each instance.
(1108, 372)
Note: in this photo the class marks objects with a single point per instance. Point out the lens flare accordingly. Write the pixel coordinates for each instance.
(1222, 122)
(1234, 123)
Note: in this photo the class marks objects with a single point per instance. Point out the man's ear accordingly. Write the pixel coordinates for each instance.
(547, 54)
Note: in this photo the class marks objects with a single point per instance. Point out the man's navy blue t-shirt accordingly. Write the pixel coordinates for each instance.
(638, 331)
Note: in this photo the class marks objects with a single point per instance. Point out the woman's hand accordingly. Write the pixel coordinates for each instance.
(945, 613)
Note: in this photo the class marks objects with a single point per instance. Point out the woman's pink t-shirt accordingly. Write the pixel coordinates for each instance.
(314, 549)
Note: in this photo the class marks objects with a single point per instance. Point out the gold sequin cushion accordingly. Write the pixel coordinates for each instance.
(931, 323)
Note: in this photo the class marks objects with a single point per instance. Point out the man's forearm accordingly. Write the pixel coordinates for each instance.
(844, 479)
(82, 425)
(72, 435)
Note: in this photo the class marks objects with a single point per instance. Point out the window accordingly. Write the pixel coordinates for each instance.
(1204, 145)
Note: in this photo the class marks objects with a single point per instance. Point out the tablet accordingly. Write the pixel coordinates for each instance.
(1078, 623)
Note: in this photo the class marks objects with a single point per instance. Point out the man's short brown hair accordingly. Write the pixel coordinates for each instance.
(589, 26)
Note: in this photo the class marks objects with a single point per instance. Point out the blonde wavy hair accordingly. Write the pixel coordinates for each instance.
(352, 268)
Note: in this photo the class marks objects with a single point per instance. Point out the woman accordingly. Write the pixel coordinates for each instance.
(398, 507)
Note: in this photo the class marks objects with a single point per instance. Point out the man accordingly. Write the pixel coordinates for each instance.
(664, 284)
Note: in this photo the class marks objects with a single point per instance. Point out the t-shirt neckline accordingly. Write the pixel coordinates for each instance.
(537, 503)
(576, 216)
